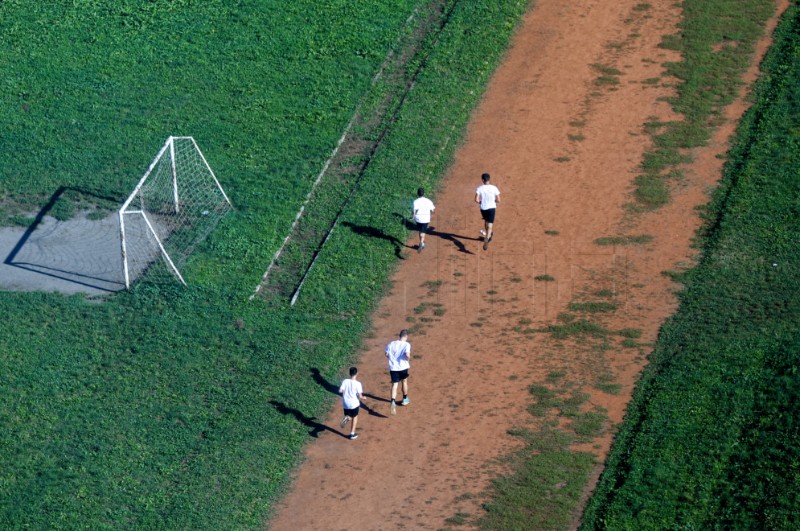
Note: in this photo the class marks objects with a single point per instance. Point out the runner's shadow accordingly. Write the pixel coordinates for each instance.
(373, 232)
(310, 422)
(371, 411)
(323, 382)
(449, 236)
(376, 398)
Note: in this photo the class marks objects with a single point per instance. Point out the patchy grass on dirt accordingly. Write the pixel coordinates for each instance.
(712, 436)
(715, 51)
(710, 77)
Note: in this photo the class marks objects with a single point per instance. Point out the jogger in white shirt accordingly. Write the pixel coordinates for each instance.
(399, 353)
(352, 394)
(423, 208)
(488, 196)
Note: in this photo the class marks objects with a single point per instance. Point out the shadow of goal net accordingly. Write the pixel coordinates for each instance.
(174, 207)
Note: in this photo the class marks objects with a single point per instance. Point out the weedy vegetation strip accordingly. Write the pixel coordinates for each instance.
(715, 50)
(712, 436)
(170, 407)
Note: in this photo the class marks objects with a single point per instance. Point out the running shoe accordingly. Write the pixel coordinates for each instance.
(406, 401)
(353, 436)
(344, 421)
(393, 408)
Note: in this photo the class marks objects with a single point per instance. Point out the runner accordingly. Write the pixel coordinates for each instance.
(487, 195)
(352, 393)
(399, 354)
(423, 208)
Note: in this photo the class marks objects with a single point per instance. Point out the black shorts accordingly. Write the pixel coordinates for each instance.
(352, 413)
(422, 227)
(398, 376)
(488, 215)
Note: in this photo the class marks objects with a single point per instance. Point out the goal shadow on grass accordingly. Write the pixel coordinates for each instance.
(69, 247)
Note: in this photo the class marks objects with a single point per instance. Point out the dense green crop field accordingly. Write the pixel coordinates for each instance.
(171, 407)
(712, 437)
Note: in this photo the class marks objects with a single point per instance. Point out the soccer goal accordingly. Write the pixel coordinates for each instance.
(174, 207)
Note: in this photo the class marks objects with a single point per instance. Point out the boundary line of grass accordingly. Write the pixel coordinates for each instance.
(327, 164)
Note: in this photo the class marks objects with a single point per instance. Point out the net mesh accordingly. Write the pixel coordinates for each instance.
(177, 205)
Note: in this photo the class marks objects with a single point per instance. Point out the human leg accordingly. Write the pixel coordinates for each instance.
(488, 220)
(406, 400)
(392, 406)
(421, 227)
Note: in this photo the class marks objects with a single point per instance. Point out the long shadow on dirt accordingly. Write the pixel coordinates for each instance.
(310, 422)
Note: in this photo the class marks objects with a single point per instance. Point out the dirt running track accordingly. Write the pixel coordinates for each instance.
(563, 145)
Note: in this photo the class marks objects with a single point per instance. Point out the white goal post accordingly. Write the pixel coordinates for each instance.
(173, 208)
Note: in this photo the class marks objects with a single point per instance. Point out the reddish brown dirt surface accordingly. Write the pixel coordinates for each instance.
(563, 144)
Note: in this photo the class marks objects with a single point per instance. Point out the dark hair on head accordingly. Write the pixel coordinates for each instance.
(403, 333)
(420, 191)
(485, 177)
(353, 371)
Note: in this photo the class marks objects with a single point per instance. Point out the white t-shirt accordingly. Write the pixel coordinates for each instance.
(488, 195)
(397, 351)
(422, 209)
(350, 391)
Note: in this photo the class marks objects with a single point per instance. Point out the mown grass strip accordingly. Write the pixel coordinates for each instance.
(711, 438)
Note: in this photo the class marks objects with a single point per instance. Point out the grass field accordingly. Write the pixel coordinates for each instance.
(172, 407)
(711, 439)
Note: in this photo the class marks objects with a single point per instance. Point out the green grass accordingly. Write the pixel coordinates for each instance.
(592, 307)
(630, 333)
(589, 425)
(171, 407)
(711, 437)
(549, 479)
(609, 388)
(578, 328)
(624, 240)
(709, 78)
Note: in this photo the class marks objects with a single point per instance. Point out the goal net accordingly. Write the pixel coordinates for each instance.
(174, 207)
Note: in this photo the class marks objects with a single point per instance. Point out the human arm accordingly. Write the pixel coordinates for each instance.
(477, 197)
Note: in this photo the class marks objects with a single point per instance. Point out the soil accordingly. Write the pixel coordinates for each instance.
(80, 255)
(560, 129)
